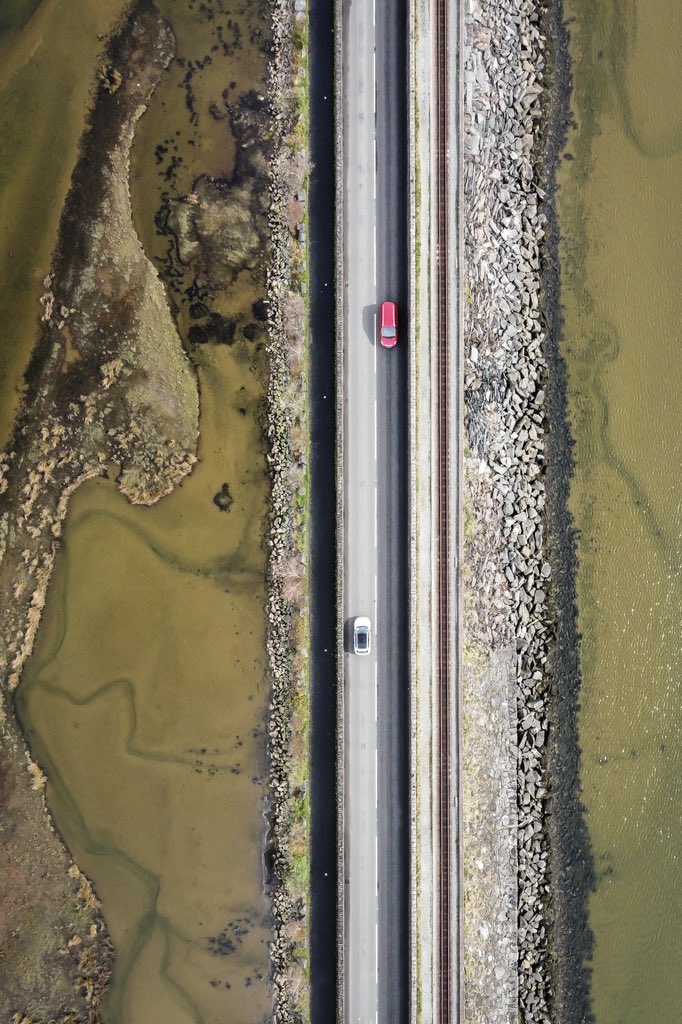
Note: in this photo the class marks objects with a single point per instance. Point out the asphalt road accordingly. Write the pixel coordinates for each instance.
(375, 541)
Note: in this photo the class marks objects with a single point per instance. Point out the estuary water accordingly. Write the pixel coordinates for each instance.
(145, 697)
(620, 218)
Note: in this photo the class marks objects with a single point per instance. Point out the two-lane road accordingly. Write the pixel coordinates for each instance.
(375, 538)
(361, 518)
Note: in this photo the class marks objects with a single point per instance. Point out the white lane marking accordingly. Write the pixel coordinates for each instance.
(376, 705)
(374, 88)
(376, 910)
(376, 609)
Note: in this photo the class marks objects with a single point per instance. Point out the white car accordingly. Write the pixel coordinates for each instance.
(362, 635)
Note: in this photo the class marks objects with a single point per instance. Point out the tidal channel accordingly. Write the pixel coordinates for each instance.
(621, 264)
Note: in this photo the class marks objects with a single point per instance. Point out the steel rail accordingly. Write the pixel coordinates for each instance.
(443, 514)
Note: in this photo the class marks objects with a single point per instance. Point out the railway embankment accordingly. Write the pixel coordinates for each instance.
(508, 572)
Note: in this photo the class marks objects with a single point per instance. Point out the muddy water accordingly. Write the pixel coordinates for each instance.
(621, 219)
(145, 697)
(44, 99)
(145, 701)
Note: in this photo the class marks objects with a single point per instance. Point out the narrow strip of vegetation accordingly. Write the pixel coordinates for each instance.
(288, 455)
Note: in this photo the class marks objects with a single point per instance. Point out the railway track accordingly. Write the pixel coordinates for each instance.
(445, 683)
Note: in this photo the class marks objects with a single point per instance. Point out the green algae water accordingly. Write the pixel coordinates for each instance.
(620, 218)
(145, 697)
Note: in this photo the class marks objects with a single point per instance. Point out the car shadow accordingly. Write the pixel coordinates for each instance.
(348, 635)
(369, 320)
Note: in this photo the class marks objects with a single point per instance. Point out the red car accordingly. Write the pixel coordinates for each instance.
(388, 324)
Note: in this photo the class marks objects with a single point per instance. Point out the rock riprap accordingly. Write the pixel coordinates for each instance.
(505, 378)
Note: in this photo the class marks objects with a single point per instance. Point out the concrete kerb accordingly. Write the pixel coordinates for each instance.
(412, 129)
(339, 457)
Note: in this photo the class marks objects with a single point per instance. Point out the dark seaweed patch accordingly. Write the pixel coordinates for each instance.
(215, 327)
(571, 867)
(261, 310)
(222, 329)
(198, 335)
(252, 331)
(198, 310)
(230, 937)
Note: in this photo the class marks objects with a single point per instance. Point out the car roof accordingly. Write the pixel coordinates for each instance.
(389, 316)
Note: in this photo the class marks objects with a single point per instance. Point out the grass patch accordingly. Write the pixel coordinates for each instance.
(299, 875)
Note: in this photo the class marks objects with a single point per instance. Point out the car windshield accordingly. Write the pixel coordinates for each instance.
(363, 637)
(388, 332)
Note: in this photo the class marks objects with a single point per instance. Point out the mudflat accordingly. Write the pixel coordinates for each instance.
(109, 384)
(135, 719)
